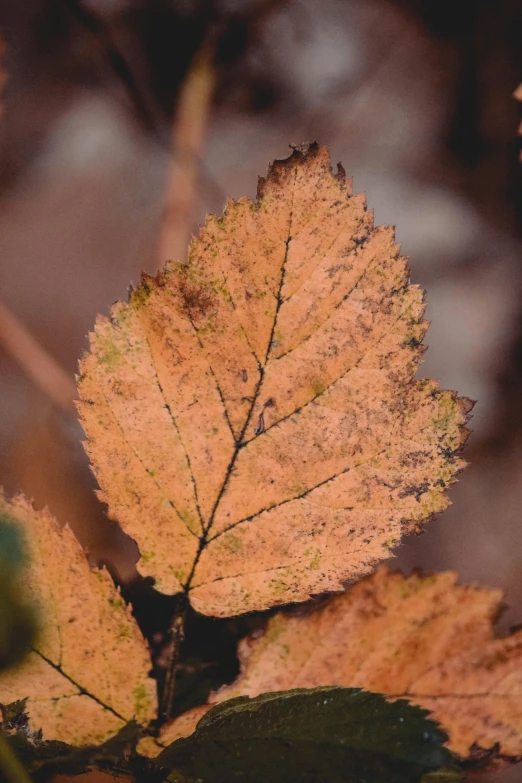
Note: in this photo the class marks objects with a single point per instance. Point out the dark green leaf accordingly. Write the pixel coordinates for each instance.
(12, 554)
(324, 735)
(444, 775)
(43, 760)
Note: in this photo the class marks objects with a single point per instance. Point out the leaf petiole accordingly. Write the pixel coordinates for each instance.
(177, 635)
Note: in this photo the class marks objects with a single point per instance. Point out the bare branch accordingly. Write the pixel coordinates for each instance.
(36, 362)
(188, 139)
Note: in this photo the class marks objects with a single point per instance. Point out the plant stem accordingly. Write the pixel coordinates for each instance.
(176, 634)
(36, 362)
(188, 140)
(10, 768)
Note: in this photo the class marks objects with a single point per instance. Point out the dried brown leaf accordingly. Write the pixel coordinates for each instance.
(425, 639)
(251, 416)
(88, 673)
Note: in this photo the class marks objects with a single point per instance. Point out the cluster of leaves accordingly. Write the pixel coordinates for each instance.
(254, 423)
(276, 736)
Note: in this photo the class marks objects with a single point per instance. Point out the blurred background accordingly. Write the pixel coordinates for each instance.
(125, 121)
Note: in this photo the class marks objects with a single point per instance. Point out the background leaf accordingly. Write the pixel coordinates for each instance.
(427, 639)
(45, 759)
(87, 673)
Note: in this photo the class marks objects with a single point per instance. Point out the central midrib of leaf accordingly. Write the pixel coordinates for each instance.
(239, 444)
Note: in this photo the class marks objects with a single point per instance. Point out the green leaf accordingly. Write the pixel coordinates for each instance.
(17, 618)
(444, 775)
(328, 735)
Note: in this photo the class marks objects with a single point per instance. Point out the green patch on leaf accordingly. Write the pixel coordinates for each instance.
(233, 543)
(108, 353)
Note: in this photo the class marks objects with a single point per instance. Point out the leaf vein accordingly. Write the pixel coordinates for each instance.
(336, 380)
(144, 466)
(81, 689)
(308, 491)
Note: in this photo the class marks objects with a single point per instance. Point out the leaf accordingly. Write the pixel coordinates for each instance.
(425, 639)
(251, 416)
(17, 621)
(88, 672)
(43, 760)
(334, 734)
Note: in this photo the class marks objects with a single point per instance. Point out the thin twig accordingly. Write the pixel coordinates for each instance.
(120, 66)
(176, 636)
(191, 118)
(189, 133)
(36, 362)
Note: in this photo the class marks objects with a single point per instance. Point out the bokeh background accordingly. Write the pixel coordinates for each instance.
(415, 97)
